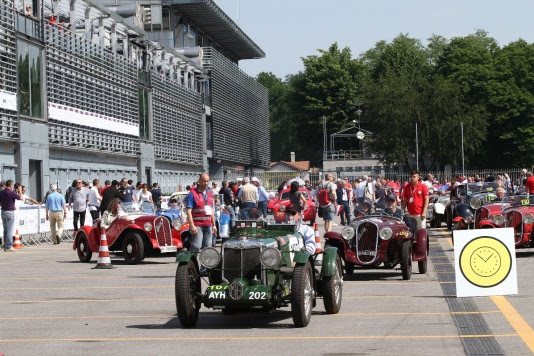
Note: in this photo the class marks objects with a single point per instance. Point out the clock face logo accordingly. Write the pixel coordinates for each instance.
(485, 262)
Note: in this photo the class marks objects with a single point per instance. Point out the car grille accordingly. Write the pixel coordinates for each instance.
(481, 214)
(241, 263)
(367, 242)
(162, 228)
(515, 219)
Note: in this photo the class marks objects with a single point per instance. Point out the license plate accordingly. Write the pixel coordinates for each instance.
(366, 253)
(165, 249)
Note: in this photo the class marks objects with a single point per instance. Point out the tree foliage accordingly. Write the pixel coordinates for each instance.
(464, 81)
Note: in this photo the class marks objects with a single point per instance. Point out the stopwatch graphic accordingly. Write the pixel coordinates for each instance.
(485, 262)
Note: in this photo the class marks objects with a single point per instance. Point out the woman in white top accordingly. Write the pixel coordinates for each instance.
(144, 196)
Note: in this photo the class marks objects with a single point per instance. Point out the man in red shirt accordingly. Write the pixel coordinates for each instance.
(529, 183)
(415, 198)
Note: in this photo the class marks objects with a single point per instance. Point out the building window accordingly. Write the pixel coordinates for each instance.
(144, 115)
(29, 78)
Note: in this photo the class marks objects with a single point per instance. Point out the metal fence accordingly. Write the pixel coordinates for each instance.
(271, 180)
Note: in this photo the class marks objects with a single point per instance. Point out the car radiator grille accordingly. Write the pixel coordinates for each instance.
(481, 214)
(241, 263)
(515, 219)
(163, 231)
(367, 242)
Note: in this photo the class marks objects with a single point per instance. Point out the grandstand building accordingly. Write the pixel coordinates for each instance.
(148, 90)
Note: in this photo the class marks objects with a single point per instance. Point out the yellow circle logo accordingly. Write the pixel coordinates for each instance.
(485, 262)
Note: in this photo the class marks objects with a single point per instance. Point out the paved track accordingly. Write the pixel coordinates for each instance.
(53, 305)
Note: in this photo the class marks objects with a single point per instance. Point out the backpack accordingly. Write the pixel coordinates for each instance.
(324, 195)
(367, 194)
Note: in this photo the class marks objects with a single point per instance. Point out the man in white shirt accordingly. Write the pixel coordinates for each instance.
(94, 200)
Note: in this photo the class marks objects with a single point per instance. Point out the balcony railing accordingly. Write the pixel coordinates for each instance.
(29, 26)
(343, 155)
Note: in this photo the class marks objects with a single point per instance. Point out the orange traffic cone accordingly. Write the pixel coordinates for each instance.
(318, 247)
(104, 262)
(16, 240)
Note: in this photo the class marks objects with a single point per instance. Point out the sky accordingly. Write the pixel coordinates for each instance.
(287, 30)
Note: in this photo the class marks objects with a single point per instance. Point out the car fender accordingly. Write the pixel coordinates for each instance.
(94, 241)
(458, 219)
(117, 244)
(421, 246)
(185, 257)
(336, 239)
(329, 261)
(302, 257)
(485, 224)
(439, 208)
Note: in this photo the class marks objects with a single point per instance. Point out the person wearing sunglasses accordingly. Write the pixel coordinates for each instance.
(293, 216)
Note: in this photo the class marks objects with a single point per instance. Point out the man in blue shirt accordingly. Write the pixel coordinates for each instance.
(7, 201)
(263, 197)
(56, 211)
(127, 191)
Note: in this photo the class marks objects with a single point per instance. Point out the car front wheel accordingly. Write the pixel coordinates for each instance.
(302, 295)
(82, 247)
(406, 262)
(187, 285)
(333, 290)
(133, 248)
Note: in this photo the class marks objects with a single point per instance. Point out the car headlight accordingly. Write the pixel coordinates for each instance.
(177, 224)
(528, 219)
(498, 219)
(347, 232)
(210, 257)
(475, 203)
(282, 208)
(271, 257)
(147, 226)
(385, 233)
(468, 220)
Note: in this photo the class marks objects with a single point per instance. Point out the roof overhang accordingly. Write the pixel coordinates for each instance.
(209, 18)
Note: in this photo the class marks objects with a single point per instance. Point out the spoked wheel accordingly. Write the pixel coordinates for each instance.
(333, 290)
(302, 295)
(82, 247)
(406, 261)
(187, 285)
(132, 248)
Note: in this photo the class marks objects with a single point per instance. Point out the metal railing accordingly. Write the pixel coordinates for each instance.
(343, 155)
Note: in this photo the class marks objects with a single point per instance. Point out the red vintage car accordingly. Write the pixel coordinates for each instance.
(489, 214)
(381, 240)
(137, 235)
(282, 202)
(521, 218)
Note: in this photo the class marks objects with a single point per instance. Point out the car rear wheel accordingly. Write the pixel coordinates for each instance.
(333, 290)
(132, 248)
(82, 247)
(406, 261)
(302, 295)
(187, 287)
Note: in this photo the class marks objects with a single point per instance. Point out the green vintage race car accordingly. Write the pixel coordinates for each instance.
(263, 266)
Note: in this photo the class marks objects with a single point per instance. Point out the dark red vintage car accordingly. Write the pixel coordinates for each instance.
(137, 235)
(282, 202)
(521, 218)
(273, 196)
(380, 240)
(489, 213)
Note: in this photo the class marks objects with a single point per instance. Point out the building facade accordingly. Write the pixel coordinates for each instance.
(150, 91)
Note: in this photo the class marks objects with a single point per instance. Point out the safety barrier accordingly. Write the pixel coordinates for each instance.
(30, 220)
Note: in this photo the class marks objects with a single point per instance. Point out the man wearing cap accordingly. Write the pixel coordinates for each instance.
(415, 198)
(263, 197)
(248, 194)
(391, 205)
(199, 208)
(307, 232)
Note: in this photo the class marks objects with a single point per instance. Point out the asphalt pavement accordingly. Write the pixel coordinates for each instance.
(52, 304)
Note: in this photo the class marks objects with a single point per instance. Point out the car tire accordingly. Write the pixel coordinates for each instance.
(333, 289)
(302, 294)
(349, 268)
(186, 289)
(437, 220)
(82, 247)
(133, 248)
(406, 259)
